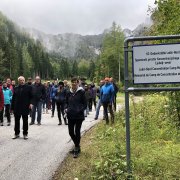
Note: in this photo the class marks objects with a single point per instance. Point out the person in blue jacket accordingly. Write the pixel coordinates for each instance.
(53, 93)
(7, 102)
(106, 97)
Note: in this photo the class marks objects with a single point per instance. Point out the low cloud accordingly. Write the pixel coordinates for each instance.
(77, 16)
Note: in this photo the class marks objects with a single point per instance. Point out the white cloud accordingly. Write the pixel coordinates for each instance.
(78, 16)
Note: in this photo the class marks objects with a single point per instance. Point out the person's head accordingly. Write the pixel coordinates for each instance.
(61, 84)
(92, 84)
(21, 80)
(101, 83)
(111, 80)
(4, 84)
(29, 80)
(48, 83)
(13, 82)
(74, 83)
(85, 87)
(45, 84)
(65, 82)
(37, 80)
(8, 80)
(55, 82)
(106, 80)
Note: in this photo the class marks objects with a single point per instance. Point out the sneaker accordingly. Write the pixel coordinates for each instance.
(8, 124)
(31, 123)
(77, 151)
(95, 118)
(15, 136)
(60, 123)
(25, 137)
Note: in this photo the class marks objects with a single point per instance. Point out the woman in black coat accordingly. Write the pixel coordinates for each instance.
(21, 103)
(76, 104)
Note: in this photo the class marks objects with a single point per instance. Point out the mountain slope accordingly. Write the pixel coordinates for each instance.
(70, 45)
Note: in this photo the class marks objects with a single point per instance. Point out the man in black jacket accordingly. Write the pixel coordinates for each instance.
(21, 103)
(39, 94)
(76, 104)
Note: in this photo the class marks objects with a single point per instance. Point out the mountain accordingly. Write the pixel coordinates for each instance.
(76, 46)
(140, 30)
(70, 45)
(19, 54)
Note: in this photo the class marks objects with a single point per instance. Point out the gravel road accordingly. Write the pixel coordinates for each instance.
(38, 157)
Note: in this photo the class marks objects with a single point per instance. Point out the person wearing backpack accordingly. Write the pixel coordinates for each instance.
(60, 99)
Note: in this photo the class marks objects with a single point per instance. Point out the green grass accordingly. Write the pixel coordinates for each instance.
(155, 146)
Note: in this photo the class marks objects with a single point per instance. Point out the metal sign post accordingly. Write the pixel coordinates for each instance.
(152, 64)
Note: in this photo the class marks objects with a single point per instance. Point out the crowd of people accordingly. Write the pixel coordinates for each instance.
(73, 103)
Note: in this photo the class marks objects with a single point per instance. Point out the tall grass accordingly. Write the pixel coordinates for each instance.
(155, 143)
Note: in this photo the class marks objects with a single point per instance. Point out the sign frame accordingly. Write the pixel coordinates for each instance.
(127, 89)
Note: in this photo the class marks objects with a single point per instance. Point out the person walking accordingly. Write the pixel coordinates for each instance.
(90, 89)
(60, 98)
(38, 92)
(1, 104)
(99, 103)
(87, 95)
(76, 104)
(106, 96)
(52, 97)
(21, 103)
(47, 98)
(7, 104)
(94, 93)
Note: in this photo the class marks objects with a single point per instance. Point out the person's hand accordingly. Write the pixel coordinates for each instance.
(65, 111)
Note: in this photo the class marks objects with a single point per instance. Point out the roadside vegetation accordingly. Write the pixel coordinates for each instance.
(155, 145)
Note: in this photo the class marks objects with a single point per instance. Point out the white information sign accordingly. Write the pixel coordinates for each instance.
(156, 64)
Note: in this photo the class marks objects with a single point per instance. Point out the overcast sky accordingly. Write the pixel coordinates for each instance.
(76, 16)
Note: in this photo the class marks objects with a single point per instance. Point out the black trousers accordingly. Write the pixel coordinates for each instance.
(114, 102)
(60, 110)
(53, 106)
(90, 104)
(107, 106)
(7, 113)
(94, 102)
(17, 124)
(74, 126)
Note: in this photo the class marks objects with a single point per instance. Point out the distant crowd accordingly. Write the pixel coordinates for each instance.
(73, 101)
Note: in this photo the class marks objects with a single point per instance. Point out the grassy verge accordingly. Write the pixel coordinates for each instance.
(155, 146)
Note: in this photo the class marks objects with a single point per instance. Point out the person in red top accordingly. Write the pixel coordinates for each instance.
(1, 104)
